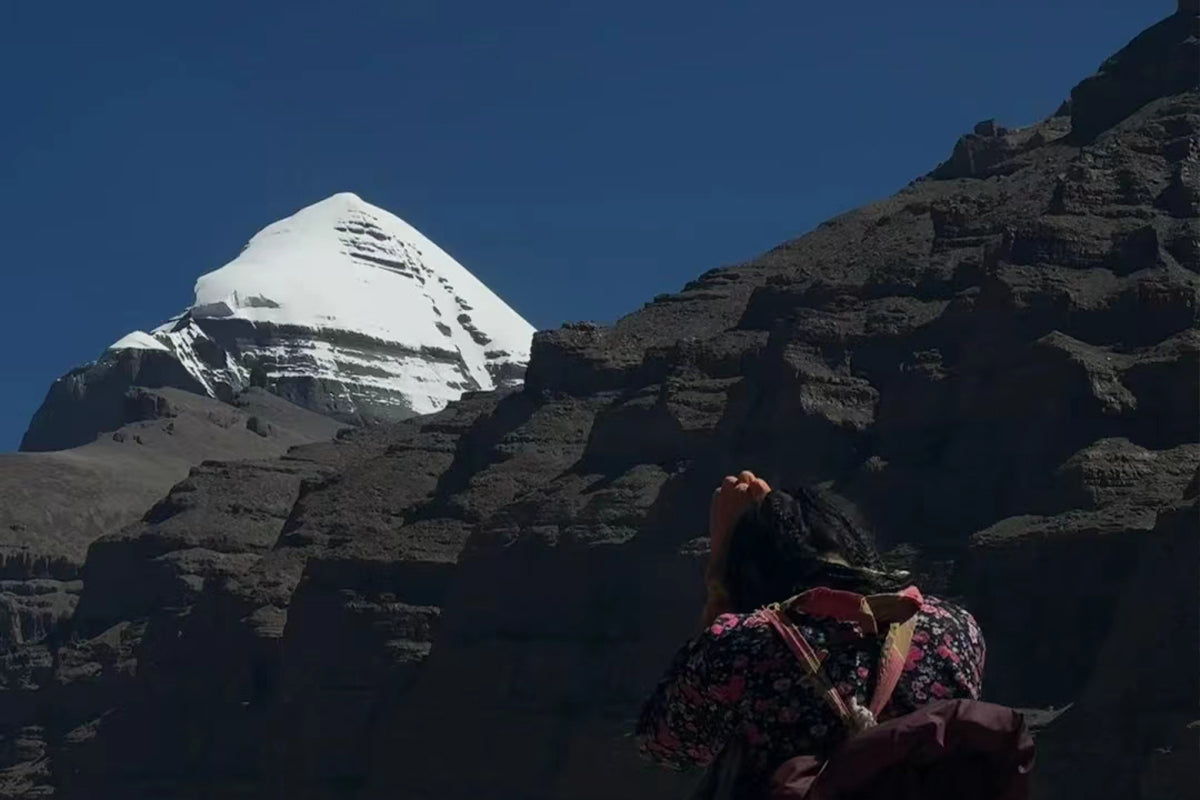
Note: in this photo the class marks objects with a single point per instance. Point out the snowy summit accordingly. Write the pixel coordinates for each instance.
(138, 340)
(347, 309)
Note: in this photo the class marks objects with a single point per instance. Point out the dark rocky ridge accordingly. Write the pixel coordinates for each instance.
(1000, 364)
(54, 504)
(93, 399)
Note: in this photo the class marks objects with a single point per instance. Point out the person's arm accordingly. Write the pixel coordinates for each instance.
(978, 651)
(732, 498)
(696, 705)
(691, 714)
(716, 604)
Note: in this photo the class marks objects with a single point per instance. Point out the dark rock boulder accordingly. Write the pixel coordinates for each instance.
(991, 149)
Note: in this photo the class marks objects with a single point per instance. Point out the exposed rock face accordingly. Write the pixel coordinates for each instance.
(342, 308)
(95, 398)
(1136, 725)
(1001, 369)
(137, 681)
(54, 505)
(1159, 62)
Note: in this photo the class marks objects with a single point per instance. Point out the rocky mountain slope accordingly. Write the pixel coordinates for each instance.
(54, 505)
(1000, 364)
(342, 308)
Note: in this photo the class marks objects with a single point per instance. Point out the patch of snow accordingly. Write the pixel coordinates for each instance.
(182, 342)
(138, 340)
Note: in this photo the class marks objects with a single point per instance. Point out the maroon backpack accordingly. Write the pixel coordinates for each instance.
(947, 750)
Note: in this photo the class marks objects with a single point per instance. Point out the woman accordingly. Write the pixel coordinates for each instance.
(738, 682)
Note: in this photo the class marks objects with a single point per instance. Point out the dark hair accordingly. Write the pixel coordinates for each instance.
(776, 549)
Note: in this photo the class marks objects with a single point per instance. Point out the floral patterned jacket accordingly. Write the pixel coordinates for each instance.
(739, 679)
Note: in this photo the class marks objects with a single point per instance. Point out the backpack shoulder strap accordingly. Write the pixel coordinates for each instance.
(899, 610)
(815, 677)
(892, 658)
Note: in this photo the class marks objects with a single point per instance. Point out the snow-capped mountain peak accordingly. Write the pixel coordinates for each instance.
(347, 309)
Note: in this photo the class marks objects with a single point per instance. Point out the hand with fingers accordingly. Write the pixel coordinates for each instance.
(730, 500)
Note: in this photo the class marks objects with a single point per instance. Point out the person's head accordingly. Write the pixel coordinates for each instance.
(793, 541)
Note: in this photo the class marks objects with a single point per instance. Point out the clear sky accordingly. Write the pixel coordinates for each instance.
(579, 157)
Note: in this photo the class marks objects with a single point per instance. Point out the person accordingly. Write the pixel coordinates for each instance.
(738, 682)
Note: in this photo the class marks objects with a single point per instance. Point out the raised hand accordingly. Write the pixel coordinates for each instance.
(729, 501)
(732, 498)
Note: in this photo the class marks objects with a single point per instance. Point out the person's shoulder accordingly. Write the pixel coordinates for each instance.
(732, 642)
(934, 606)
(734, 624)
(948, 631)
(946, 614)
(949, 616)
(737, 633)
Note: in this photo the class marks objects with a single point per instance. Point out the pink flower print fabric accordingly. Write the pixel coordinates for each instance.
(738, 679)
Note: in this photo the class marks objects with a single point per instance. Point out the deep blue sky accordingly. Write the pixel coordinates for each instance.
(578, 157)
